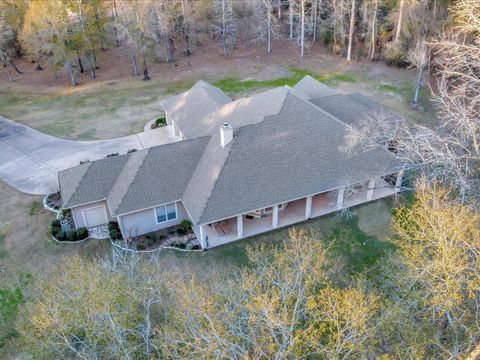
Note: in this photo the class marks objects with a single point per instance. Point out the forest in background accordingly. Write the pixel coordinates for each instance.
(423, 301)
(69, 33)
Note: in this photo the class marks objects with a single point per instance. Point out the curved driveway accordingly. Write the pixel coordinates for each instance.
(30, 159)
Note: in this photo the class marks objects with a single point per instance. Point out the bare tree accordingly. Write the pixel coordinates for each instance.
(263, 10)
(398, 30)
(351, 31)
(226, 24)
(419, 57)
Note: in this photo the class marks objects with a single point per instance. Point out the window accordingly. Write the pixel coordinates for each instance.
(166, 212)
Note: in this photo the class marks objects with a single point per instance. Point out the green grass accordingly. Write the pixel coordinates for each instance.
(11, 298)
(34, 208)
(345, 240)
(236, 85)
(359, 250)
(406, 90)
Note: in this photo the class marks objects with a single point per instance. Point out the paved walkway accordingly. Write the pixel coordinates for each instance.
(30, 159)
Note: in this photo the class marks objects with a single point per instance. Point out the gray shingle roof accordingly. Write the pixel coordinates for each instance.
(241, 112)
(353, 109)
(284, 148)
(162, 177)
(198, 101)
(285, 157)
(309, 88)
(91, 181)
(135, 181)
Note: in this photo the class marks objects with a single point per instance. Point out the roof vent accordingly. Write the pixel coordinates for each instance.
(226, 134)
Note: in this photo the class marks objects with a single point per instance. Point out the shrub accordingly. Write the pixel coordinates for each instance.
(161, 121)
(141, 247)
(82, 233)
(185, 225)
(55, 227)
(395, 55)
(65, 212)
(71, 235)
(114, 231)
(189, 246)
(129, 151)
(60, 235)
(196, 247)
(181, 245)
(180, 231)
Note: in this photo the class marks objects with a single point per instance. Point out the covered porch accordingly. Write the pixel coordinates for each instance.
(295, 211)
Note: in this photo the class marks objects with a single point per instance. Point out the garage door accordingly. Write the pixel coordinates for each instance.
(95, 216)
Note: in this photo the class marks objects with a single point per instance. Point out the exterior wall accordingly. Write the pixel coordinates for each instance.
(78, 215)
(142, 222)
(168, 119)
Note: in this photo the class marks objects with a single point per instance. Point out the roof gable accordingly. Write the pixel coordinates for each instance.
(310, 88)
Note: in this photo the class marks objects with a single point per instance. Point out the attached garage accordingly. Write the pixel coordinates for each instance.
(95, 216)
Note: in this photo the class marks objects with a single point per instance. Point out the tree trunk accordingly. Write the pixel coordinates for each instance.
(115, 16)
(169, 45)
(8, 73)
(91, 64)
(302, 29)
(399, 23)
(188, 49)
(350, 33)
(197, 38)
(290, 17)
(134, 63)
(145, 71)
(71, 72)
(224, 30)
(80, 64)
(374, 30)
(15, 67)
(419, 86)
(314, 19)
(269, 33)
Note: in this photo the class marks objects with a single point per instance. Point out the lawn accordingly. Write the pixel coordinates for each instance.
(110, 107)
(26, 250)
(357, 242)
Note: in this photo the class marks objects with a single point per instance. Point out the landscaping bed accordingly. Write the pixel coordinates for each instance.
(53, 201)
(159, 122)
(180, 236)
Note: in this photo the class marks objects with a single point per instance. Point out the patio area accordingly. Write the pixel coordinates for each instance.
(227, 230)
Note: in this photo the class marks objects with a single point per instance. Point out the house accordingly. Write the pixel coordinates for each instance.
(242, 167)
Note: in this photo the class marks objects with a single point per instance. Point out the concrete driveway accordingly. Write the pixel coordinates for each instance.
(30, 159)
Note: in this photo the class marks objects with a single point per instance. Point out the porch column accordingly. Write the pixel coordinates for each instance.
(203, 237)
(308, 207)
(370, 187)
(398, 182)
(275, 217)
(340, 197)
(240, 226)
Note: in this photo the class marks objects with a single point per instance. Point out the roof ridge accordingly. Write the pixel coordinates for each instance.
(216, 180)
(130, 179)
